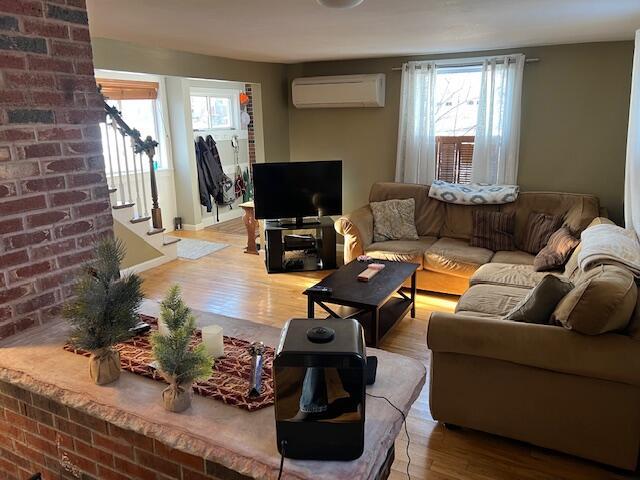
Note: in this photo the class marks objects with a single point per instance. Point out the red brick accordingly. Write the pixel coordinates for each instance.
(161, 465)
(56, 280)
(48, 405)
(10, 226)
(22, 7)
(131, 437)
(56, 437)
(87, 420)
(66, 165)
(92, 208)
(35, 303)
(82, 179)
(12, 404)
(84, 148)
(60, 48)
(75, 117)
(191, 475)
(85, 465)
(108, 474)
(47, 218)
(75, 258)
(42, 445)
(12, 294)
(37, 414)
(24, 323)
(48, 64)
(14, 459)
(118, 446)
(10, 207)
(48, 99)
(8, 60)
(12, 97)
(42, 184)
(132, 470)
(92, 132)
(77, 3)
(7, 190)
(16, 134)
(58, 133)
(14, 258)
(20, 421)
(5, 154)
(5, 313)
(26, 239)
(53, 249)
(73, 429)
(69, 197)
(183, 458)
(31, 270)
(45, 29)
(73, 229)
(40, 150)
(84, 68)
(93, 238)
(8, 467)
(30, 453)
(95, 454)
(80, 34)
(29, 80)
(23, 169)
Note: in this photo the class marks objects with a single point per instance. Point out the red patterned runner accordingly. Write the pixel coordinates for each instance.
(229, 382)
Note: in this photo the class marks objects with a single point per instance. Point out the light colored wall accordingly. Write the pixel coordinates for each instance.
(574, 122)
(129, 57)
(138, 251)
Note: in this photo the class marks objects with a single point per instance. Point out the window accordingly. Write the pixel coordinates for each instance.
(456, 114)
(215, 111)
(141, 115)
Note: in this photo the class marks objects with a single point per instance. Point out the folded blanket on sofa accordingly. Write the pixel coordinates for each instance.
(610, 245)
(473, 193)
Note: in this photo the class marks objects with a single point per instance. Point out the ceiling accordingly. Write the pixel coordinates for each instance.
(291, 31)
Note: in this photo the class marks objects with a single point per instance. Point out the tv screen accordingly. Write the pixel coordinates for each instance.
(297, 189)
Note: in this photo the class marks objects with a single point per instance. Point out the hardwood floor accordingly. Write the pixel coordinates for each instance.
(232, 283)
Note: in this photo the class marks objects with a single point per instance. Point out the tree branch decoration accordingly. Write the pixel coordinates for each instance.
(179, 364)
(104, 309)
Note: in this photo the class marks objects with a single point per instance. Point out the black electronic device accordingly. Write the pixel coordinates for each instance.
(320, 371)
(372, 369)
(295, 190)
(320, 290)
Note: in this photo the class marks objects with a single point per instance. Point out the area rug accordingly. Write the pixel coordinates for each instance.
(194, 249)
(231, 377)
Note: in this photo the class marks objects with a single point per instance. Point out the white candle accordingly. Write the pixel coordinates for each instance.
(162, 328)
(213, 341)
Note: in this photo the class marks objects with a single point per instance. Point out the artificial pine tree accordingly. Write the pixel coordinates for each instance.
(104, 310)
(178, 363)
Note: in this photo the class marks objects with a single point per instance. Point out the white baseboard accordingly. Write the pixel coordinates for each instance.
(149, 264)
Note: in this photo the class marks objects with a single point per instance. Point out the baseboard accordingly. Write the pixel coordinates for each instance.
(149, 264)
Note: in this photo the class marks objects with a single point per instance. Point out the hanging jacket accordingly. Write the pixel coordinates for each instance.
(224, 183)
(208, 175)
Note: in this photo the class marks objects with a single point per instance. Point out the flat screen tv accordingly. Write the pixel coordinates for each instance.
(295, 190)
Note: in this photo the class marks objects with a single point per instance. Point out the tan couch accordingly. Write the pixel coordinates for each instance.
(446, 260)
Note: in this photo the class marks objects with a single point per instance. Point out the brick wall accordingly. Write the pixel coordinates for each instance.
(40, 435)
(250, 128)
(54, 200)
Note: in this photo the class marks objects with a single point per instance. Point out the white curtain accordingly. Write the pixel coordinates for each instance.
(495, 153)
(632, 170)
(416, 156)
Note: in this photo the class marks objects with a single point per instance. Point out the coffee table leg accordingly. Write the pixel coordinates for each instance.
(310, 307)
(413, 295)
(376, 327)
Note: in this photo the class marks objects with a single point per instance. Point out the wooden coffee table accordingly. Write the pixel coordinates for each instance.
(378, 304)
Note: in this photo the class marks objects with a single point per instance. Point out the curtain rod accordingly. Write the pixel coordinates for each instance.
(472, 64)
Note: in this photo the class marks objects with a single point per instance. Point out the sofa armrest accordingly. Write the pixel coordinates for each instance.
(357, 229)
(610, 356)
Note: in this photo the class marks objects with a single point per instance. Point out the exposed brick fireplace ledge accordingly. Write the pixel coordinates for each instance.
(44, 388)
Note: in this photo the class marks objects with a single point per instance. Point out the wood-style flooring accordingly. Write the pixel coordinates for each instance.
(232, 283)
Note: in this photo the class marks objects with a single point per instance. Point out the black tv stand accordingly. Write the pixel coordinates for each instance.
(301, 254)
(299, 222)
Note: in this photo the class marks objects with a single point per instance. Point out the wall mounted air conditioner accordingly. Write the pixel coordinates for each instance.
(339, 91)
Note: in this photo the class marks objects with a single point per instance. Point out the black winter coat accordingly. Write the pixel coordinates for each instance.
(210, 175)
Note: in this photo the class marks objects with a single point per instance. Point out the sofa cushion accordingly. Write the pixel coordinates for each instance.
(411, 251)
(495, 300)
(541, 300)
(455, 257)
(557, 251)
(602, 301)
(523, 276)
(514, 257)
(429, 214)
(394, 220)
(493, 230)
(539, 227)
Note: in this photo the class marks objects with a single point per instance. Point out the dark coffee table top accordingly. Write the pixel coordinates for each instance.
(347, 290)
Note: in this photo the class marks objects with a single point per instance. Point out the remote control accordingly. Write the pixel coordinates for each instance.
(320, 289)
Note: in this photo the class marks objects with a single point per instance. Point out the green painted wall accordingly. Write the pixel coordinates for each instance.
(124, 56)
(574, 122)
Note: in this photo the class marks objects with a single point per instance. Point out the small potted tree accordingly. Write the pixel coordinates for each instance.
(178, 362)
(104, 310)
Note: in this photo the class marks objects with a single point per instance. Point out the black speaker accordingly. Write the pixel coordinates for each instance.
(320, 375)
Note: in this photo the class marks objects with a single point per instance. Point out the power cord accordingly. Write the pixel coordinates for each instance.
(283, 445)
(406, 429)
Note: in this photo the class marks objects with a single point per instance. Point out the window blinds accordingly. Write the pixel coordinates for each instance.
(115, 89)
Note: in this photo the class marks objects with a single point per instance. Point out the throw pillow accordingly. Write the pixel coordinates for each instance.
(541, 301)
(394, 220)
(493, 230)
(538, 229)
(559, 247)
(602, 301)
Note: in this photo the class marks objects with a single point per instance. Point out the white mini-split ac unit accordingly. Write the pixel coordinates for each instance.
(341, 91)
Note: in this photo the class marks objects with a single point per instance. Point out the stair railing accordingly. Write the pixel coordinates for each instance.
(138, 147)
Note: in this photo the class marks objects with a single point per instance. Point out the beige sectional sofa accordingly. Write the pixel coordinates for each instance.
(542, 384)
(446, 260)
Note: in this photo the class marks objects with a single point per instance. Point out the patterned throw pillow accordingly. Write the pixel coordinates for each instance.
(538, 229)
(394, 220)
(493, 230)
(560, 246)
